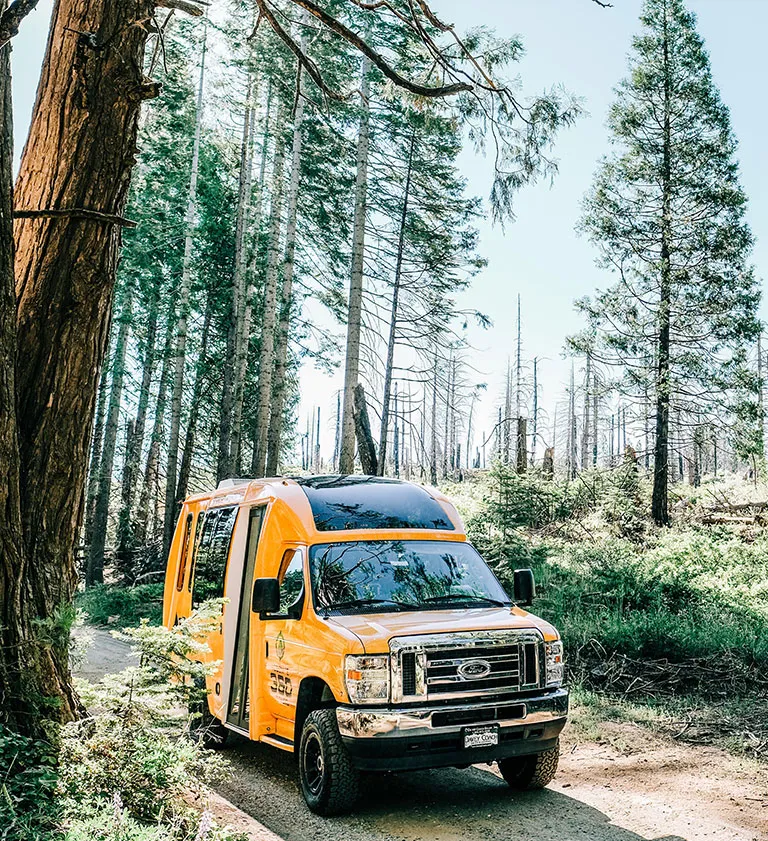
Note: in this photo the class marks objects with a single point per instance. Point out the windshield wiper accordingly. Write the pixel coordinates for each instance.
(465, 597)
(367, 602)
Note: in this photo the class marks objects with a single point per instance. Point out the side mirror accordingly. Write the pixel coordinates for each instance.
(266, 596)
(525, 587)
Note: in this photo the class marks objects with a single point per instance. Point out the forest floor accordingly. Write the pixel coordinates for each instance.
(618, 781)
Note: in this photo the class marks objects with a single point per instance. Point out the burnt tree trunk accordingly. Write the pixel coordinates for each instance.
(365, 443)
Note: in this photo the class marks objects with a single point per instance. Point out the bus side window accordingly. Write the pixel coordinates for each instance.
(211, 564)
(184, 552)
(196, 548)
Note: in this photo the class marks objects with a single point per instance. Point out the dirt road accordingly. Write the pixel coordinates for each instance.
(646, 788)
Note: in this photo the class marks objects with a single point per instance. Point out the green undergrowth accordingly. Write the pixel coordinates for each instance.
(127, 770)
(667, 628)
(119, 606)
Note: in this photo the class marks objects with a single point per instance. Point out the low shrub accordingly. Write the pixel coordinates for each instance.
(123, 772)
(28, 782)
(680, 594)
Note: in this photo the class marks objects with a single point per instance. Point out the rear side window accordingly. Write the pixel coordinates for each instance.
(184, 552)
(210, 564)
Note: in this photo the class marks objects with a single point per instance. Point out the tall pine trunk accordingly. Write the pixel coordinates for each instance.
(226, 464)
(269, 315)
(244, 329)
(95, 568)
(433, 427)
(279, 388)
(660, 500)
(180, 344)
(153, 453)
(94, 461)
(194, 410)
(355, 304)
(392, 339)
(135, 443)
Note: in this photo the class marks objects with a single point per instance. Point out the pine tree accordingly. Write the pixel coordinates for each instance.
(667, 214)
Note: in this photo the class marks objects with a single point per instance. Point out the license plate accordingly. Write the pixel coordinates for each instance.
(486, 736)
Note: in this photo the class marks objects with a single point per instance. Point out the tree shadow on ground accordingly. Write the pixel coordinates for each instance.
(440, 805)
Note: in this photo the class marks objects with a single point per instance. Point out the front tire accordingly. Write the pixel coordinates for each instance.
(329, 781)
(527, 773)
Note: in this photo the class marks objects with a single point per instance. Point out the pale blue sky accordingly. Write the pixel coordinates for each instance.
(577, 44)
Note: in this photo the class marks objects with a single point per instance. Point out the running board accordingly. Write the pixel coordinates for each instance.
(278, 741)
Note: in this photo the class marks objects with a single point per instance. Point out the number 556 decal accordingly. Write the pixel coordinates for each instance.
(280, 684)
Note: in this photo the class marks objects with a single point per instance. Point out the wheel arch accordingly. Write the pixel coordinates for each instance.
(314, 693)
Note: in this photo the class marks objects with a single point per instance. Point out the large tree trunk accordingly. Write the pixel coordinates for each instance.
(279, 389)
(95, 568)
(180, 345)
(244, 330)
(71, 194)
(392, 339)
(269, 315)
(21, 682)
(355, 304)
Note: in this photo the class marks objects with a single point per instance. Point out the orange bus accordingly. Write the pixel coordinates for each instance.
(362, 631)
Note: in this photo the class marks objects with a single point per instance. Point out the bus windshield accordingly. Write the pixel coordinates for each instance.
(396, 575)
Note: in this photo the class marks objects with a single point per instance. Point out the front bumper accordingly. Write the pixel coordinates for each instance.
(431, 736)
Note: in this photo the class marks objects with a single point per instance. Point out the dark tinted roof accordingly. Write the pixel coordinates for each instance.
(370, 502)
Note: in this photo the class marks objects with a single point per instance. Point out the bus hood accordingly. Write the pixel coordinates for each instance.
(376, 629)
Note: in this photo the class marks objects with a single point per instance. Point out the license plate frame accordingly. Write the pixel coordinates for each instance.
(480, 736)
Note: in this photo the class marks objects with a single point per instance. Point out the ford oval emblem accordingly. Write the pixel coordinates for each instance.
(474, 669)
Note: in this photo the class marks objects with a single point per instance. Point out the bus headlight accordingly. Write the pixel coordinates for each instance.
(367, 678)
(554, 658)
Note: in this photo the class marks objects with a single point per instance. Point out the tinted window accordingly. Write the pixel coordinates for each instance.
(212, 552)
(369, 502)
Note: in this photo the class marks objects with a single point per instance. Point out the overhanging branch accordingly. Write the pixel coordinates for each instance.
(376, 58)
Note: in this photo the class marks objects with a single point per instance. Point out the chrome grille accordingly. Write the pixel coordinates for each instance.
(444, 669)
(470, 664)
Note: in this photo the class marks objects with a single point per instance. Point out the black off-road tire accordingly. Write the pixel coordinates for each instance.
(204, 728)
(526, 773)
(329, 781)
